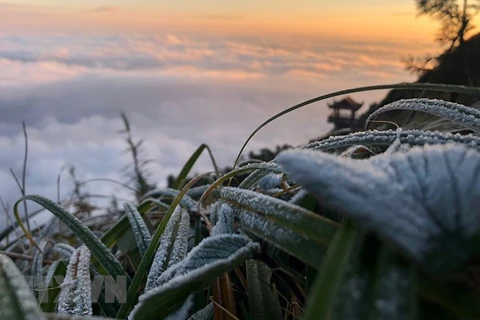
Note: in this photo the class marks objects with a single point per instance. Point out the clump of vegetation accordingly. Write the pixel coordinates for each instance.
(368, 225)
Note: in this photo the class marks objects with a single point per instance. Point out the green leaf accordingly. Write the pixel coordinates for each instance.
(211, 258)
(290, 227)
(98, 249)
(261, 301)
(322, 294)
(190, 163)
(424, 202)
(139, 228)
(16, 299)
(466, 116)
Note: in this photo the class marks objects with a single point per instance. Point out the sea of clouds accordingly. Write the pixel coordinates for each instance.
(177, 90)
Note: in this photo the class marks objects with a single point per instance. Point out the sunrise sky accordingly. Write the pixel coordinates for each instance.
(367, 18)
(185, 73)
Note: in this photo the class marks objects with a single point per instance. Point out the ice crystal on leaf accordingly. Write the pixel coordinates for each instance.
(424, 201)
(466, 116)
(139, 228)
(172, 248)
(209, 259)
(76, 294)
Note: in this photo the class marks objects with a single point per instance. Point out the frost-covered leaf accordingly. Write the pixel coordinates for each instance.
(98, 249)
(224, 224)
(425, 201)
(65, 250)
(456, 113)
(262, 170)
(281, 213)
(289, 227)
(211, 258)
(76, 293)
(16, 299)
(284, 237)
(172, 248)
(203, 314)
(139, 228)
(387, 137)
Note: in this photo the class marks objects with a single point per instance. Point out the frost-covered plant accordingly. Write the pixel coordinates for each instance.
(76, 294)
(369, 225)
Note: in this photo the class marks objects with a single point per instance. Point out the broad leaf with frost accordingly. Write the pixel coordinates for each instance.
(139, 228)
(16, 299)
(424, 201)
(76, 294)
(281, 213)
(466, 116)
(208, 260)
(287, 226)
(172, 248)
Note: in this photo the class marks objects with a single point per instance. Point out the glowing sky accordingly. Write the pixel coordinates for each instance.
(366, 18)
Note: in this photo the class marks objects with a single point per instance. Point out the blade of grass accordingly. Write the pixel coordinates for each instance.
(191, 162)
(147, 259)
(323, 292)
(98, 249)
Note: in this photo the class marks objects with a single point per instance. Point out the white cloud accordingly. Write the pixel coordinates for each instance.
(177, 91)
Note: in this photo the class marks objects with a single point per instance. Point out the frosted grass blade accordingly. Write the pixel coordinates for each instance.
(98, 249)
(139, 228)
(172, 248)
(75, 295)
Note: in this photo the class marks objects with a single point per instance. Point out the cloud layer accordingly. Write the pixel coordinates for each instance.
(178, 91)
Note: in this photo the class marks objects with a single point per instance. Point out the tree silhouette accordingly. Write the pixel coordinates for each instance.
(455, 17)
(456, 22)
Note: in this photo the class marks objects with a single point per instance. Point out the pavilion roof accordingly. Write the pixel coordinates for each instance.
(346, 104)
